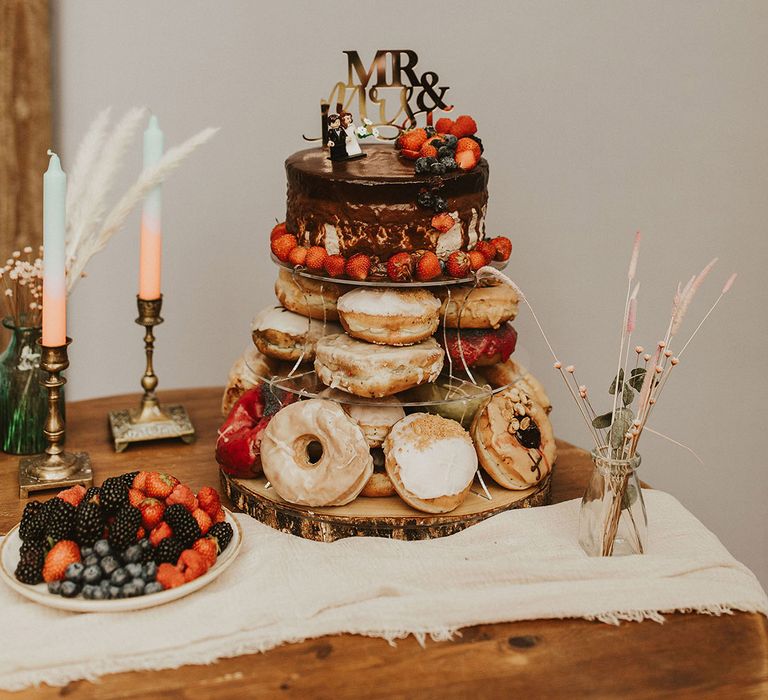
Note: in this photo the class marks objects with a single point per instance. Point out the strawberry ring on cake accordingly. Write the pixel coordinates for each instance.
(306, 296)
(479, 347)
(477, 307)
(284, 335)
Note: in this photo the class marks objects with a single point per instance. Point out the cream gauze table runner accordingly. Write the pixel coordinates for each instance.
(520, 565)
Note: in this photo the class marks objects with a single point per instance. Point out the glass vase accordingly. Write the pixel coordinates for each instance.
(612, 520)
(23, 400)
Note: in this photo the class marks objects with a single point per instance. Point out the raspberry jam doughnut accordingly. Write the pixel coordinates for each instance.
(284, 335)
(514, 440)
(374, 416)
(513, 373)
(333, 478)
(389, 316)
(431, 461)
(308, 297)
(374, 371)
(479, 347)
(477, 307)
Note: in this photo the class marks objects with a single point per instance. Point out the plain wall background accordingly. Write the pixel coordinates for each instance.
(599, 118)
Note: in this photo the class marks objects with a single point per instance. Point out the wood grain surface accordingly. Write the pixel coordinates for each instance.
(690, 656)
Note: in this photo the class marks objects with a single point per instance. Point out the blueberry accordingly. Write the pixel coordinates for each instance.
(133, 554)
(450, 140)
(430, 131)
(424, 199)
(422, 165)
(86, 552)
(135, 570)
(439, 204)
(104, 585)
(145, 544)
(88, 591)
(99, 593)
(92, 574)
(437, 169)
(74, 572)
(115, 592)
(153, 587)
(69, 589)
(140, 584)
(119, 577)
(91, 560)
(54, 587)
(150, 571)
(449, 163)
(130, 590)
(109, 564)
(102, 548)
(444, 152)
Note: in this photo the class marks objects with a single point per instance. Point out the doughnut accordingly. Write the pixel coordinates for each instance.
(389, 316)
(514, 440)
(477, 307)
(379, 485)
(431, 461)
(370, 370)
(308, 297)
(480, 347)
(284, 335)
(374, 416)
(343, 467)
(246, 372)
(512, 372)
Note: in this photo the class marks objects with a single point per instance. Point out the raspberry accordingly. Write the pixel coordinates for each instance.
(428, 267)
(503, 247)
(476, 260)
(464, 126)
(358, 267)
(457, 264)
(298, 255)
(413, 139)
(334, 265)
(443, 222)
(316, 256)
(469, 145)
(400, 267)
(443, 125)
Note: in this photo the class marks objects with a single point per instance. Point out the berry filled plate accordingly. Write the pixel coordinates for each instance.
(10, 556)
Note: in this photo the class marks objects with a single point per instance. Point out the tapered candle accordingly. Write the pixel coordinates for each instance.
(54, 275)
(151, 244)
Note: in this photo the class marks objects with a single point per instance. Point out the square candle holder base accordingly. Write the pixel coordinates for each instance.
(129, 426)
(31, 481)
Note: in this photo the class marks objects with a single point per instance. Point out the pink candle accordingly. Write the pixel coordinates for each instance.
(54, 275)
(151, 245)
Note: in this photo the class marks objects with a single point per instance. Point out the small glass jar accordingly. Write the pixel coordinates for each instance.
(612, 520)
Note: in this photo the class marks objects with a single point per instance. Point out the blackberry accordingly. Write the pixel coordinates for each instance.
(30, 567)
(424, 199)
(440, 204)
(430, 131)
(92, 495)
(128, 478)
(184, 526)
(124, 530)
(437, 168)
(168, 551)
(222, 532)
(59, 520)
(113, 494)
(422, 165)
(449, 163)
(478, 141)
(32, 526)
(89, 524)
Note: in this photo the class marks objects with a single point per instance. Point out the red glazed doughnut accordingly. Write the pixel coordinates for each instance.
(480, 347)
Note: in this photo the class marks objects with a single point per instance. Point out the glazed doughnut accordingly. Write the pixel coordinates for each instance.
(512, 372)
(480, 347)
(370, 370)
(308, 297)
(374, 416)
(389, 316)
(342, 469)
(477, 307)
(246, 372)
(284, 335)
(431, 461)
(514, 440)
(379, 485)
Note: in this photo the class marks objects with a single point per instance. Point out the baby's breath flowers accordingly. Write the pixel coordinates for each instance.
(22, 279)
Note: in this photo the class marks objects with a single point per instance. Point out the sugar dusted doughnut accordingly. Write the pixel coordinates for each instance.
(514, 440)
(246, 372)
(307, 296)
(339, 474)
(284, 335)
(431, 461)
(374, 416)
(370, 370)
(512, 372)
(389, 316)
(477, 307)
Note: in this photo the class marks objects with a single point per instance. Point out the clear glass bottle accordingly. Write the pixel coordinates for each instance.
(612, 520)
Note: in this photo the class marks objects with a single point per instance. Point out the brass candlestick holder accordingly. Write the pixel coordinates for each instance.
(55, 468)
(150, 421)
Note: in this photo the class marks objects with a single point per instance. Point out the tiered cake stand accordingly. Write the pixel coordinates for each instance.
(460, 394)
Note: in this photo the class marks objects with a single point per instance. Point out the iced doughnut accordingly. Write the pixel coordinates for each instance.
(514, 440)
(431, 461)
(284, 335)
(246, 372)
(370, 370)
(308, 297)
(389, 316)
(343, 467)
(374, 416)
(512, 372)
(477, 307)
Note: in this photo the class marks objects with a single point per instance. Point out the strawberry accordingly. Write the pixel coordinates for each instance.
(298, 255)
(443, 222)
(62, 554)
(316, 256)
(428, 151)
(159, 485)
(427, 266)
(169, 576)
(192, 564)
(159, 533)
(476, 260)
(358, 266)
(140, 481)
(334, 265)
(464, 126)
(486, 248)
(221, 516)
(141, 533)
(151, 512)
(412, 140)
(400, 267)
(466, 160)
(209, 500)
(184, 495)
(72, 495)
(444, 125)
(278, 230)
(457, 264)
(410, 155)
(208, 548)
(469, 145)
(283, 245)
(135, 497)
(503, 247)
(203, 520)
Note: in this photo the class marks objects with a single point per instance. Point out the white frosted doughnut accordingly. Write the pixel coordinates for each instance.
(284, 335)
(307, 296)
(477, 307)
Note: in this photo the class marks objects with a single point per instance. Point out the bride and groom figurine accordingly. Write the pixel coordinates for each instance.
(342, 138)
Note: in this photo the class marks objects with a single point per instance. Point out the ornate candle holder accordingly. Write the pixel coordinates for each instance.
(150, 421)
(55, 468)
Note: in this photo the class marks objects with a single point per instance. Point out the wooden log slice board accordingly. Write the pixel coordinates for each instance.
(375, 517)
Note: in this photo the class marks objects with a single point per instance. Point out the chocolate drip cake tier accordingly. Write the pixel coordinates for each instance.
(369, 205)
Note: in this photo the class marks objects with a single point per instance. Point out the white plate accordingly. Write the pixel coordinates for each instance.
(9, 559)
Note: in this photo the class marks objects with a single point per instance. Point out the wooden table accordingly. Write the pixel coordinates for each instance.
(689, 656)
